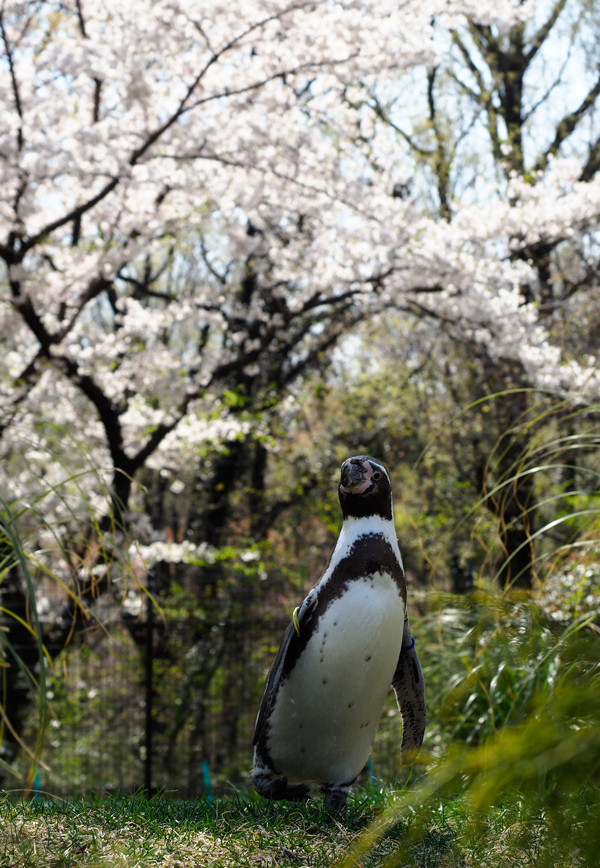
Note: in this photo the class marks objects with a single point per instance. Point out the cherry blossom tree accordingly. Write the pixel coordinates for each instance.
(505, 144)
(139, 138)
(200, 200)
(134, 134)
(137, 135)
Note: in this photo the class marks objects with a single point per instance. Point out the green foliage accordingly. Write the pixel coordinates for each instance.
(28, 624)
(487, 473)
(50, 574)
(516, 737)
(507, 654)
(95, 708)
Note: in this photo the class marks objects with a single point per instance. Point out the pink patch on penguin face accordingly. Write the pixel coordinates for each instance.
(366, 483)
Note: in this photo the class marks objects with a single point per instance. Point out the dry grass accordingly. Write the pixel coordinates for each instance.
(139, 833)
(242, 832)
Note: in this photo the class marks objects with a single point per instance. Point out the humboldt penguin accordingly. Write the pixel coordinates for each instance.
(345, 645)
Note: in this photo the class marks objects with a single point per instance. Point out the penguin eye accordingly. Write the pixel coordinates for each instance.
(376, 475)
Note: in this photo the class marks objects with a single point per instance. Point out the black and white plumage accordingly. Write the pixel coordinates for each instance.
(348, 641)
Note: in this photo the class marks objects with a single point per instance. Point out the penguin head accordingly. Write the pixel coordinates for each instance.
(365, 488)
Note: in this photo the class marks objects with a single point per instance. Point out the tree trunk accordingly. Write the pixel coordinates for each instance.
(503, 478)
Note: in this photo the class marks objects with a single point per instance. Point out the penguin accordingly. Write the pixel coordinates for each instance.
(346, 644)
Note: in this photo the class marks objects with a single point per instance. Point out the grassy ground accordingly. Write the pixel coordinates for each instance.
(239, 831)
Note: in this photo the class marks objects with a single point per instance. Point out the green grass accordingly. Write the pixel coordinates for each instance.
(238, 831)
(242, 831)
(136, 831)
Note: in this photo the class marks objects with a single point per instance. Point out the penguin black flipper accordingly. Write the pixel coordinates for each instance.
(409, 686)
(266, 782)
(286, 656)
(272, 683)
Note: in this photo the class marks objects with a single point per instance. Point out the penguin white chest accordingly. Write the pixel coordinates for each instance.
(328, 708)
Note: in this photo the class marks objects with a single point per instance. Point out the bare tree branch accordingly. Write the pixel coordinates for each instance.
(593, 162)
(542, 34)
(568, 124)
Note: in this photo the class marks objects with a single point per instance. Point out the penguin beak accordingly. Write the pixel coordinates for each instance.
(352, 475)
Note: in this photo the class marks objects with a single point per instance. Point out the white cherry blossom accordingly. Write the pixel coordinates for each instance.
(149, 151)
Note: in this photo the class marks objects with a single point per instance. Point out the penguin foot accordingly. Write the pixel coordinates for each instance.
(278, 788)
(336, 799)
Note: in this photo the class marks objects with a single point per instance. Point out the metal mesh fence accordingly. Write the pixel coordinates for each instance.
(165, 707)
(165, 711)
